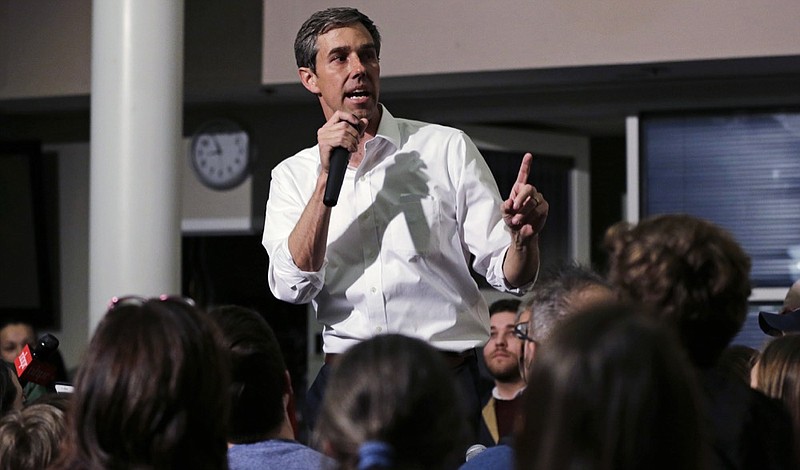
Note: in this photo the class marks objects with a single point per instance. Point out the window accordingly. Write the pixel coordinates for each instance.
(740, 170)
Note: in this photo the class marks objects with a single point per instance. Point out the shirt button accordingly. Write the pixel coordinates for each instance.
(362, 179)
(373, 290)
(378, 329)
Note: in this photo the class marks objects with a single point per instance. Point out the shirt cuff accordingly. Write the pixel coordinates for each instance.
(290, 283)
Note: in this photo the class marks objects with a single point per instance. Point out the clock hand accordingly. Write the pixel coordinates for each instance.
(216, 144)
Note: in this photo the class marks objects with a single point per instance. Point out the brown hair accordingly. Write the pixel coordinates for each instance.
(690, 272)
(258, 373)
(613, 390)
(30, 439)
(151, 392)
(778, 376)
(305, 44)
(398, 391)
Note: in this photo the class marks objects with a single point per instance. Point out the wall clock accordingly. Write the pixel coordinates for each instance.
(221, 154)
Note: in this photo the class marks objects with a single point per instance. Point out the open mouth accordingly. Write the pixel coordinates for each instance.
(358, 95)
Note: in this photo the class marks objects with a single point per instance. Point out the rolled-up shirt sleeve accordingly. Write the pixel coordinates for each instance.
(288, 193)
(288, 282)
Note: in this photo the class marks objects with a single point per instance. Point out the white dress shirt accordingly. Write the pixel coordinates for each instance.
(399, 241)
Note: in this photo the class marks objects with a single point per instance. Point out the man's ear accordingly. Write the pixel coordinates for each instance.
(530, 350)
(288, 393)
(309, 79)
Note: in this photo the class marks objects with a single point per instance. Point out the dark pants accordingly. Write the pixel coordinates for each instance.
(467, 377)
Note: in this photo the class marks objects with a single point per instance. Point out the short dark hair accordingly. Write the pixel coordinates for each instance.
(152, 390)
(258, 373)
(305, 44)
(8, 392)
(690, 272)
(504, 305)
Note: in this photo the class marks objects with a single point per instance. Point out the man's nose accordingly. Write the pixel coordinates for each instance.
(356, 66)
(502, 339)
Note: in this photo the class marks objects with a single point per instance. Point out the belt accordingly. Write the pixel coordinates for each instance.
(452, 358)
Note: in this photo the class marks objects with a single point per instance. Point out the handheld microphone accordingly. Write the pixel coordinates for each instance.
(32, 365)
(474, 450)
(340, 157)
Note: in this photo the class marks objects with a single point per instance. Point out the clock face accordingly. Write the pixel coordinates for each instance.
(220, 156)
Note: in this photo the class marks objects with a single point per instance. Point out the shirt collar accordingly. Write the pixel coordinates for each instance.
(388, 129)
(497, 396)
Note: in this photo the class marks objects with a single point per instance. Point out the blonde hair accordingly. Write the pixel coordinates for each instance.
(778, 376)
(30, 439)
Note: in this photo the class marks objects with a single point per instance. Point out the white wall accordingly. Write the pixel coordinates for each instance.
(201, 210)
(45, 48)
(429, 37)
(45, 45)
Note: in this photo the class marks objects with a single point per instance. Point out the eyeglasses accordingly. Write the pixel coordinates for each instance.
(521, 331)
(138, 301)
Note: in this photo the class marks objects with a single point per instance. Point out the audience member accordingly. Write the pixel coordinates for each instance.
(501, 355)
(788, 319)
(737, 361)
(558, 294)
(261, 423)
(11, 396)
(151, 392)
(30, 439)
(777, 374)
(612, 390)
(695, 277)
(390, 405)
(15, 333)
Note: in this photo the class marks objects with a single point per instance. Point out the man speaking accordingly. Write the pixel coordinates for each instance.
(392, 254)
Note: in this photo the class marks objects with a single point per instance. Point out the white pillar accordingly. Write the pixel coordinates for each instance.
(136, 126)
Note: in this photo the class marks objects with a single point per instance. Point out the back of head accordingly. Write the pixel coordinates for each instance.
(690, 272)
(612, 390)
(737, 361)
(30, 439)
(777, 374)
(10, 389)
(305, 44)
(258, 373)
(152, 390)
(560, 292)
(396, 391)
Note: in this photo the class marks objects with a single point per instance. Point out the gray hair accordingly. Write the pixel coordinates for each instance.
(550, 300)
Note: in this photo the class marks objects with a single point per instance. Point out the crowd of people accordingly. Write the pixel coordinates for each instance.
(625, 369)
(622, 371)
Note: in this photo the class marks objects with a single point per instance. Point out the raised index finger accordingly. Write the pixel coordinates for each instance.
(524, 169)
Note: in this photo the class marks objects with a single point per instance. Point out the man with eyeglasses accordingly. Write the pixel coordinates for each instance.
(558, 294)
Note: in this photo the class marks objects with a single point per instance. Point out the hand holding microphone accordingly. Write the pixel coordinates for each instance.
(340, 157)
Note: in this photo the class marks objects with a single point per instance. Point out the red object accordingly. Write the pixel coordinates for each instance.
(34, 370)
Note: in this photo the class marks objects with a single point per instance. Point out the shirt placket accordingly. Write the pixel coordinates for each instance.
(365, 193)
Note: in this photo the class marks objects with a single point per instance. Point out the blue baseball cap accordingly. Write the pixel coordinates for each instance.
(777, 324)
